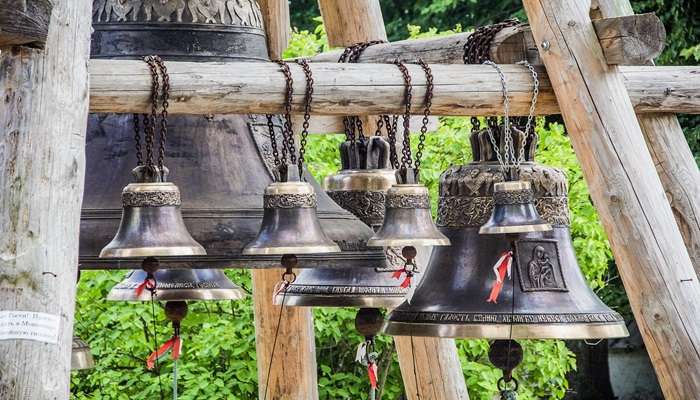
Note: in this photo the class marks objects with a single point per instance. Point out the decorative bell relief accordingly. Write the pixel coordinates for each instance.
(539, 266)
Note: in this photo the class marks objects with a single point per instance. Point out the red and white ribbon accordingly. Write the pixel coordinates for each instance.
(500, 269)
(173, 345)
(406, 281)
(148, 283)
(372, 372)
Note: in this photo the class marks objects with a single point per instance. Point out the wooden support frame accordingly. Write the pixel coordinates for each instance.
(42, 164)
(25, 22)
(123, 86)
(661, 284)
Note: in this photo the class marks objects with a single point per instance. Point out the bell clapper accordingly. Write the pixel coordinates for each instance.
(369, 322)
(150, 265)
(289, 262)
(409, 268)
(175, 311)
(506, 355)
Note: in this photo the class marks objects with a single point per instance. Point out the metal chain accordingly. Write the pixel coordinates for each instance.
(307, 111)
(288, 150)
(273, 139)
(477, 48)
(533, 105)
(137, 140)
(406, 160)
(165, 96)
(150, 121)
(426, 112)
(508, 159)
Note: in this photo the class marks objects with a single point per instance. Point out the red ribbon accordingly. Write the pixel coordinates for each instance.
(502, 267)
(372, 373)
(397, 274)
(148, 283)
(174, 345)
(407, 280)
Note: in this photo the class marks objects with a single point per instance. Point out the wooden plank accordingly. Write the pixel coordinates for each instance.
(654, 265)
(24, 22)
(293, 371)
(123, 86)
(350, 22)
(277, 26)
(631, 40)
(42, 164)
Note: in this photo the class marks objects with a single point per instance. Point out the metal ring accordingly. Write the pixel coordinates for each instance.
(502, 384)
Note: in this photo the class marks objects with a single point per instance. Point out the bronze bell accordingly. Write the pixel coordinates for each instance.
(466, 293)
(361, 185)
(407, 219)
(222, 163)
(290, 224)
(81, 356)
(178, 285)
(151, 224)
(514, 210)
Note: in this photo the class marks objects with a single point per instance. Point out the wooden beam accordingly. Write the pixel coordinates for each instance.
(350, 22)
(656, 270)
(672, 157)
(42, 165)
(123, 86)
(277, 26)
(629, 40)
(293, 369)
(24, 22)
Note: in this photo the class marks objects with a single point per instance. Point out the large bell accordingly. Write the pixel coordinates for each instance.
(151, 223)
(407, 219)
(81, 356)
(290, 224)
(178, 285)
(544, 296)
(221, 163)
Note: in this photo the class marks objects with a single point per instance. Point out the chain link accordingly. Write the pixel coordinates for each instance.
(149, 121)
(165, 97)
(508, 159)
(137, 140)
(307, 111)
(288, 150)
(533, 105)
(426, 112)
(406, 160)
(273, 139)
(477, 48)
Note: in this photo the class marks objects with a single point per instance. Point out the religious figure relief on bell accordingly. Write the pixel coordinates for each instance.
(246, 11)
(539, 266)
(122, 9)
(164, 9)
(207, 10)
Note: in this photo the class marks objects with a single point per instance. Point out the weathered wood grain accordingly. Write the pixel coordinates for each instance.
(277, 26)
(123, 86)
(293, 371)
(631, 40)
(656, 270)
(24, 22)
(350, 22)
(42, 142)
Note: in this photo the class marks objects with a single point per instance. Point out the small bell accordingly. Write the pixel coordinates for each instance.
(81, 356)
(514, 210)
(290, 224)
(177, 284)
(361, 186)
(407, 220)
(151, 224)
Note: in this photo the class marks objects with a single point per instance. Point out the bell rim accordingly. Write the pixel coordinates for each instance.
(563, 331)
(339, 301)
(403, 242)
(510, 229)
(156, 251)
(129, 295)
(316, 249)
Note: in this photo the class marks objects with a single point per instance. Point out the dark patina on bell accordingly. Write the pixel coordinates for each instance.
(222, 163)
(290, 224)
(514, 210)
(361, 185)
(178, 285)
(81, 356)
(151, 224)
(407, 219)
(466, 293)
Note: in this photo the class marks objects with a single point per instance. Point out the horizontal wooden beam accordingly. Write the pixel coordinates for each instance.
(628, 40)
(24, 22)
(123, 86)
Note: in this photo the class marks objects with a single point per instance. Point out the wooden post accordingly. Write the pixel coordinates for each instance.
(672, 157)
(438, 371)
(656, 270)
(293, 374)
(24, 22)
(293, 371)
(42, 143)
(277, 26)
